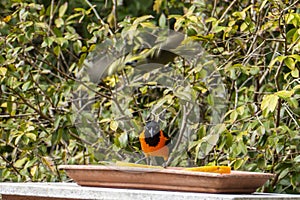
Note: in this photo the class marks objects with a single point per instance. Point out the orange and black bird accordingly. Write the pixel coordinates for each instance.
(154, 142)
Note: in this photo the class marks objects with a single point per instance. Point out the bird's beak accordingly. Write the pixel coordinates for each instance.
(151, 132)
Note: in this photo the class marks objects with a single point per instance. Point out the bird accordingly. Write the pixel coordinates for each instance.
(160, 57)
(154, 142)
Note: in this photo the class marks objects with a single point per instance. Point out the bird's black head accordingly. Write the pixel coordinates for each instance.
(151, 129)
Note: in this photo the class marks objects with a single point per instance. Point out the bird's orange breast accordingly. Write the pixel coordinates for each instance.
(160, 149)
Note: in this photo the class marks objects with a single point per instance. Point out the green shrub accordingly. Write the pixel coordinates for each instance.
(44, 46)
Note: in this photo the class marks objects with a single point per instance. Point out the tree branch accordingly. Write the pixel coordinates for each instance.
(98, 16)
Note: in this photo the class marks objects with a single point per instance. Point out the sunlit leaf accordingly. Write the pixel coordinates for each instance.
(162, 20)
(269, 102)
(297, 159)
(123, 139)
(238, 163)
(33, 170)
(59, 22)
(157, 5)
(285, 94)
(62, 9)
(114, 125)
(295, 73)
(19, 163)
(283, 173)
(142, 19)
(3, 71)
(290, 63)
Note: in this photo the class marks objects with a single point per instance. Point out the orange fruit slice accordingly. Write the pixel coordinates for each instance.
(212, 169)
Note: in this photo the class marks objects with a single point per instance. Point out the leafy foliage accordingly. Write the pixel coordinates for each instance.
(44, 47)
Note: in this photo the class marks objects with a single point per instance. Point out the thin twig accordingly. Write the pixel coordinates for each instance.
(267, 70)
(185, 114)
(290, 114)
(12, 165)
(74, 79)
(278, 71)
(42, 91)
(248, 57)
(115, 13)
(227, 10)
(236, 99)
(98, 16)
(51, 15)
(114, 99)
(80, 139)
(181, 132)
(214, 8)
(30, 105)
(18, 116)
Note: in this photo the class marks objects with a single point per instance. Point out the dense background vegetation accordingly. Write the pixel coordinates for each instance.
(255, 47)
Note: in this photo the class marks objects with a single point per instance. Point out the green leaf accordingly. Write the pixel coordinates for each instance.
(295, 73)
(244, 26)
(229, 139)
(212, 139)
(281, 58)
(123, 139)
(238, 163)
(62, 9)
(33, 170)
(29, 48)
(218, 129)
(233, 116)
(157, 5)
(3, 71)
(297, 159)
(293, 102)
(283, 173)
(61, 41)
(19, 163)
(269, 103)
(254, 70)
(182, 93)
(272, 63)
(48, 41)
(57, 122)
(296, 57)
(17, 140)
(105, 120)
(32, 136)
(290, 63)
(284, 94)
(113, 125)
(142, 19)
(41, 25)
(240, 15)
(218, 29)
(262, 5)
(210, 19)
(77, 46)
(26, 85)
(57, 50)
(31, 162)
(56, 136)
(59, 22)
(261, 163)
(48, 162)
(144, 89)
(162, 20)
(210, 100)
